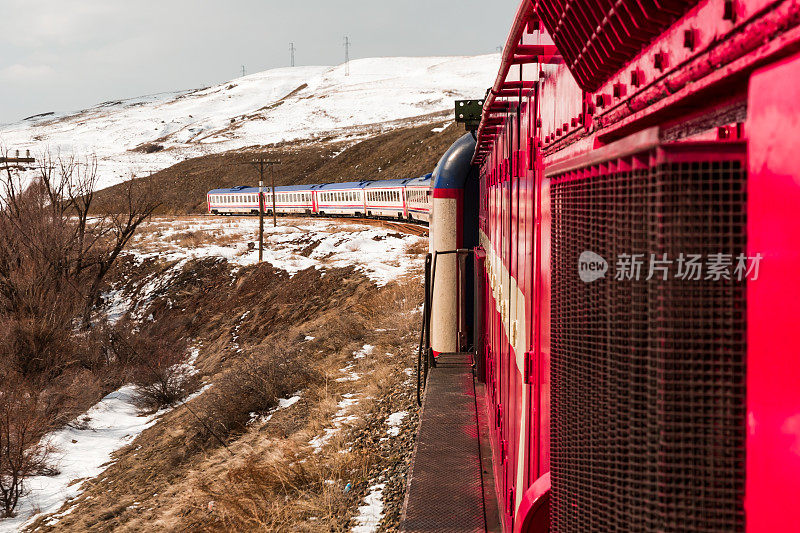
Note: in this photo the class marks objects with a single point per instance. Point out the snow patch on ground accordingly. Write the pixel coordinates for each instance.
(364, 351)
(84, 448)
(394, 420)
(370, 513)
(283, 403)
(340, 419)
(82, 454)
(380, 253)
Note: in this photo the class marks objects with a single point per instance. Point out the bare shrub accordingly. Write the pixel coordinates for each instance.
(23, 423)
(191, 239)
(252, 385)
(343, 330)
(420, 247)
(155, 355)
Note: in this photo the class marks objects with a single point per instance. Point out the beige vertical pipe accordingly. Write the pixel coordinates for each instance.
(444, 311)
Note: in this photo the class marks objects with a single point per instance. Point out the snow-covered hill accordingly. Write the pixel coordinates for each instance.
(288, 104)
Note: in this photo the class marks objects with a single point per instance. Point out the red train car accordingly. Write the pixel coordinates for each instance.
(637, 269)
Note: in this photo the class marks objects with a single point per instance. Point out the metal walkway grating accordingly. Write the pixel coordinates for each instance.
(445, 486)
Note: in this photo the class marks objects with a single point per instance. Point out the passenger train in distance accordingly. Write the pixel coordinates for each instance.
(402, 199)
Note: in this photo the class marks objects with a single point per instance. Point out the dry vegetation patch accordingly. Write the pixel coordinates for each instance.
(290, 429)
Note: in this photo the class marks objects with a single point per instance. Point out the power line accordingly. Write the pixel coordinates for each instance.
(292, 49)
(347, 55)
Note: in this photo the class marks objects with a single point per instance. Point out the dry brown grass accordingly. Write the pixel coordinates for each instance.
(266, 476)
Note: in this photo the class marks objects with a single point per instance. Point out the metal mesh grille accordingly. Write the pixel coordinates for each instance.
(648, 377)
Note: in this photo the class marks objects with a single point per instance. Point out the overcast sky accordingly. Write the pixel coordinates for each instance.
(64, 55)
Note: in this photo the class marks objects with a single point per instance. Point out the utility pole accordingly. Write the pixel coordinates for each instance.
(346, 55)
(243, 71)
(292, 49)
(261, 163)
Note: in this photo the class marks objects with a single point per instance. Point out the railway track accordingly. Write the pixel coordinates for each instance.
(410, 228)
(404, 227)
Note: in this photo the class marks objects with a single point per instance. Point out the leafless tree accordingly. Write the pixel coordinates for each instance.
(23, 454)
(56, 251)
(50, 219)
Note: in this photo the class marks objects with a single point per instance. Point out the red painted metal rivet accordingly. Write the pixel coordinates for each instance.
(636, 77)
(558, 132)
(689, 38)
(723, 132)
(565, 126)
(729, 11)
(601, 100)
(575, 121)
(660, 60)
(619, 90)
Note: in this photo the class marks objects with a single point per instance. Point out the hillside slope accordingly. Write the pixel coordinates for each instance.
(310, 104)
(404, 152)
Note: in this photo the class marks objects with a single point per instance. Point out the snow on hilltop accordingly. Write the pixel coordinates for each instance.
(286, 104)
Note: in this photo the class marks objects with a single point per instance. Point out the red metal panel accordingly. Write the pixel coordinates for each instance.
(773, 445)
(543, 323)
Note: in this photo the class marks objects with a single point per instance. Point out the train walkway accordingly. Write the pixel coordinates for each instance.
(450, 484)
